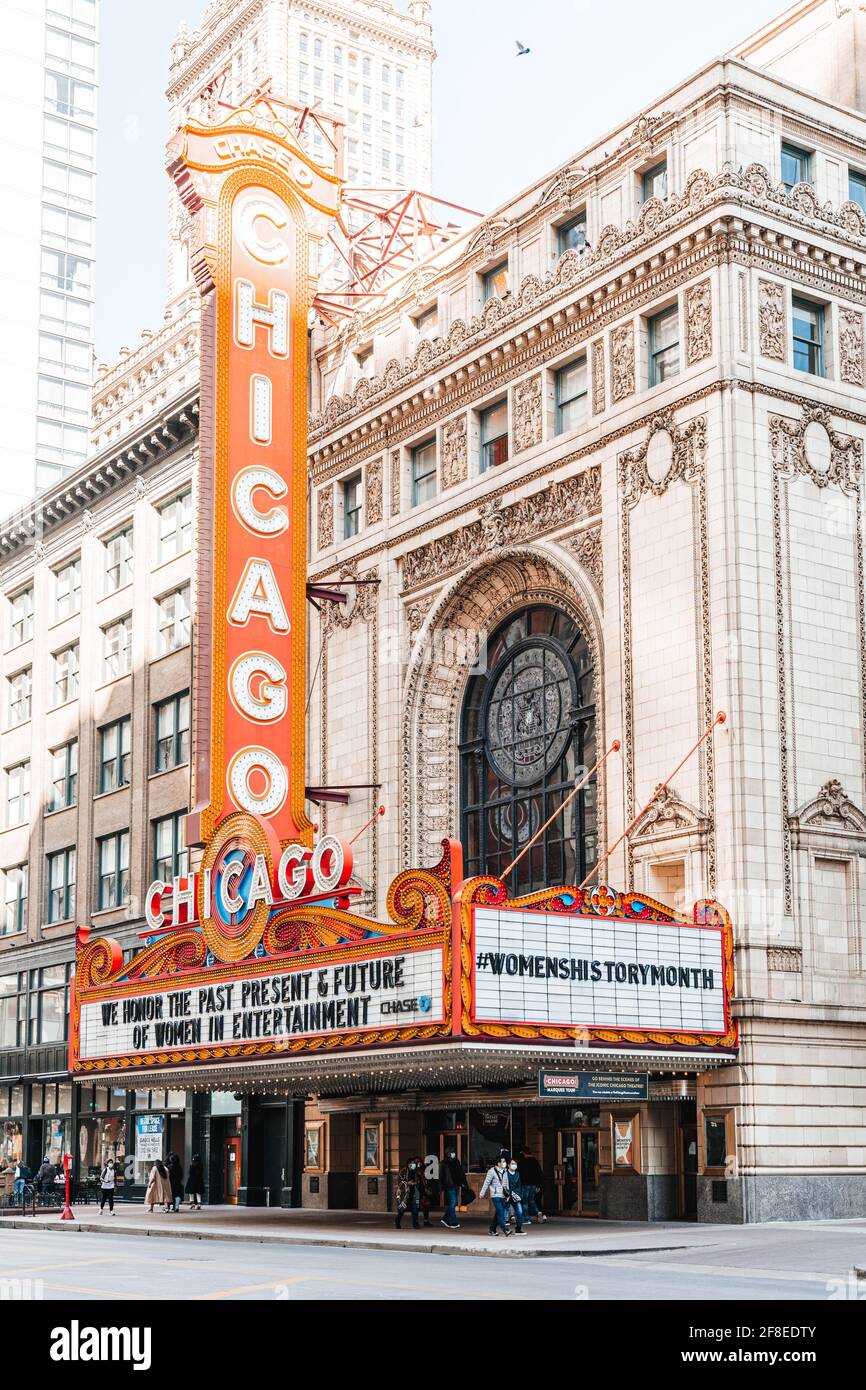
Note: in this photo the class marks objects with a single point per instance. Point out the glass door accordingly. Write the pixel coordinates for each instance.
(590, 1195)
(577, 1189)
(231, 1169)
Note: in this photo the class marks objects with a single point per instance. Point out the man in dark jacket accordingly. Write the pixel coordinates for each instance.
(45, 1176)
(452, 1179)
(531, 1182)
(175, 1176)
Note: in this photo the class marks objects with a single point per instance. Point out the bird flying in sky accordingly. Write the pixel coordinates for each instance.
(521, 48)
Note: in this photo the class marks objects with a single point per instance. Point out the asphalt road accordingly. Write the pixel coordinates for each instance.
(790, 1264)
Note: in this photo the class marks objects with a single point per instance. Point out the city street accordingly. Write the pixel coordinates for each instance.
(787, 1263)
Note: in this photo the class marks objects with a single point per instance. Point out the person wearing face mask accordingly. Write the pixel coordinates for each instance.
(514, 1198)
(453, 1180)
(496, 1183)
(409, 1193)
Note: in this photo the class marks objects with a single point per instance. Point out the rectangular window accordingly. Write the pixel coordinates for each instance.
(427, 322)
(115, 755)
(67, 590)
(66, 674)
(18, 794)
(20, 697)
(571, 236)
(113, 870)
(808, 334)
(654, 182)
(495, 282)
(173, 621)
(14, 918)
(857, 188)
(571, 396)
(351, 489)
(664, 345)
(423, 472)
(796, 166)
(171, 732)
(61, 885)
(175, 527)
(49, 1006)
(494, 435)
(13, 1001)
(64, 777)
(118, 560)
(718, 1140)
(21, 617)
(117, 649)
(170, 856)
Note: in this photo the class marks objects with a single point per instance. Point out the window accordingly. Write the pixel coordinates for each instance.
(18, 794)
(719, 1140)
(113, 870)
(13, 1005)
(61, 885)
(527, 730)
(67, 590)
(66, 674)
(494, 435)
(66, 96)
(857, 188)
(170, 857)
(117, 649)
(571, 236)
(20, 697)
(571, 396)
(64, 776)
(171, 732)
(796, 166)
(495, 282)
(654, 182)
(173, 627)
(427, 322)
(49, 1004)
(175, 527)
(115, 754)
(14, 900)
(63, 271)
(351, 493)
(664, 345)
(808, 334)
(423, 472)
(21, 616)
(118, 560)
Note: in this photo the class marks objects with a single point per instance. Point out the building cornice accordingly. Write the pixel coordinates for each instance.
(163, 435)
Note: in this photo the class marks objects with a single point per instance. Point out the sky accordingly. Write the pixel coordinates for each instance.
(500, 122)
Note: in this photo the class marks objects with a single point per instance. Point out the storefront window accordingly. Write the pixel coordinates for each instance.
(715, 1141)
(13, 1141)
(56, 1139)
(489, 1134)
(101, 1137)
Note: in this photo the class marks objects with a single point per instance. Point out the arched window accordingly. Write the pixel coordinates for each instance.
(527, 734)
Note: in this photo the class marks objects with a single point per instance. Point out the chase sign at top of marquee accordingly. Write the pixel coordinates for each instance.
(257, 954)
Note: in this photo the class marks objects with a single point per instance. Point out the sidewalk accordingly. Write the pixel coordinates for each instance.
(558, 1237)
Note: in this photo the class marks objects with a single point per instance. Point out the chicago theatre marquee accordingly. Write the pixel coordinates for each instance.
(323, 1048)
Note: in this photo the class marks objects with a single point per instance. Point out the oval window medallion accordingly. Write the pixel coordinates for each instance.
(817, 447)
(659, 456)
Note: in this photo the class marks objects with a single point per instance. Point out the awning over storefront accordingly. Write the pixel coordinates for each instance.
(444, 1066)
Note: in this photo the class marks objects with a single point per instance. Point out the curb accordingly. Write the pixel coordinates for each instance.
(334, 1242)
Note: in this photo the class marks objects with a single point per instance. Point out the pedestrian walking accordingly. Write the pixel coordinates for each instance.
(409, 1193)
(496, 1183)
(514, 1198)
(532, 1186)
(22, 1177)
(195, 1183)
(45, 1176)
(175, 1177)
(158, 1192)
(453, 1180)
(425, 1196)
(107, 1184)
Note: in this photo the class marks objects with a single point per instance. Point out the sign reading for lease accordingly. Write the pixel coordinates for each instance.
(272, 1008)
(552, 968)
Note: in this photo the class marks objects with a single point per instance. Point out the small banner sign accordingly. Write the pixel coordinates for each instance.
(593, 1085)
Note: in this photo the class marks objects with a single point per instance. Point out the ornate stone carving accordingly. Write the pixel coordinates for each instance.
(455, 452)
(772, 331)
(326, 519)
(599, 393)
(88, 521)
(526, 426)
(688, 442)
(851, 347)
(791, 455)
(786, 959)
(140, 487)
(588, 549)
(645, 132)
(416, 613)
(373, 492)
(547, 510)
(832, 809)
(622, 361)
(395, 483)
(699, 321)
(669, 816)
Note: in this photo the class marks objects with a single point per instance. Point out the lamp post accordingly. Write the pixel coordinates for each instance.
(68, 1214)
